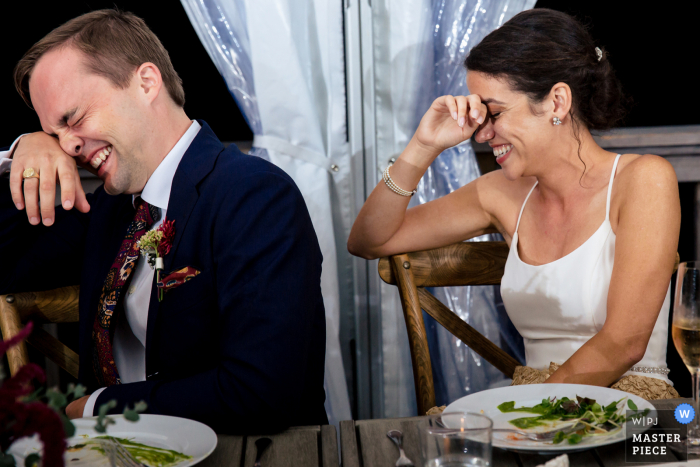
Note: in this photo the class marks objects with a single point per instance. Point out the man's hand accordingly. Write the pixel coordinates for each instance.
(75, 409)
(43, 153)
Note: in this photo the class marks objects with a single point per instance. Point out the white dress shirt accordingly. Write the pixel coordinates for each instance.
(5, 157)
(129, 345)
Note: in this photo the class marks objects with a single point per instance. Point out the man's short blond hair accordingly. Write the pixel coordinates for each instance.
(115, 43)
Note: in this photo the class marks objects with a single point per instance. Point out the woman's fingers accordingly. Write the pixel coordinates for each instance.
(451, 104)
(462, 107)
(477, 110)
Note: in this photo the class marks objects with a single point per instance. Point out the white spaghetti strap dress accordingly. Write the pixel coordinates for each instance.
(558, 306)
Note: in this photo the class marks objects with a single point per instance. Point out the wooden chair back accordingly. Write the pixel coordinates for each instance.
(464, 263)
(53, 306)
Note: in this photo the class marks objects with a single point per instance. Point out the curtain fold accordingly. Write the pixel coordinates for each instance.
(419, 47)
(283, 62)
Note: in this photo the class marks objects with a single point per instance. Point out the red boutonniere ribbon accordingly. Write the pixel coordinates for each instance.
(155, 244)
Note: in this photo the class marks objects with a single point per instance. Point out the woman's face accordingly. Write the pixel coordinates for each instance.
(521, 140)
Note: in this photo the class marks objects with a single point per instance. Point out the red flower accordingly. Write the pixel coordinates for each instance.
(19, 419)
(166, 242)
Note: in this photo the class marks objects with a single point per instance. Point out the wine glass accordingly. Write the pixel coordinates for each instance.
(685, 330)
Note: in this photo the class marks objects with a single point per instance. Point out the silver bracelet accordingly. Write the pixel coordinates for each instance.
(393, 186)
(650, 369)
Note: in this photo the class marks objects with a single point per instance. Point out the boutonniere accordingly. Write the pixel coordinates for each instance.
(155, 244)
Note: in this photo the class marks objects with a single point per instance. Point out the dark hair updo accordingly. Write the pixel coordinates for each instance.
(540, 47)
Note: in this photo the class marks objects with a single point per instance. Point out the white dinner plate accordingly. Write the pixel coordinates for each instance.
(487, 402)
(178, 434)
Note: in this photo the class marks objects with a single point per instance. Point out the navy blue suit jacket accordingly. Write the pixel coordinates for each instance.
(239, 346)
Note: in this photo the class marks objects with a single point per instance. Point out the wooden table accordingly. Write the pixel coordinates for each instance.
(364, 444)
(309, 446)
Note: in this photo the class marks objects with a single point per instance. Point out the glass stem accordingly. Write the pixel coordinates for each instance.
(696, 402)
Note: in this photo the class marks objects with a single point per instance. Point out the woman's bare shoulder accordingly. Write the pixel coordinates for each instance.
(502, 198)
(644, 177)
(645, 171)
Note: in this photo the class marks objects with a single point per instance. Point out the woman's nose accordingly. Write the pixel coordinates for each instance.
(485, 132)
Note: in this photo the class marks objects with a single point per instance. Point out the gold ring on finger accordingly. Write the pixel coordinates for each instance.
(30, 173)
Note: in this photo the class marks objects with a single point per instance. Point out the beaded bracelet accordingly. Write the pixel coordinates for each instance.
(393, 186)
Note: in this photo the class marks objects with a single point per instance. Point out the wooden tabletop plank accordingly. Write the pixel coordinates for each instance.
(576, 459)
(348, 444)
(329, 446)
(364, 443)
(228, 452)
(376, 449)
(504, 458)
(295, 447)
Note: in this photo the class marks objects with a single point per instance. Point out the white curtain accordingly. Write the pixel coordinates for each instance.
(283, 63)
(419, 47)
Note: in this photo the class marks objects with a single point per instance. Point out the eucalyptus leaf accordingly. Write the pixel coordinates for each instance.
(32, 460)
(140, 406)
(68, 427)
(131, 415)
(79, 391)
(56, 399)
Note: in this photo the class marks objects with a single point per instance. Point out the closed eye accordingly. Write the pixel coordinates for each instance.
(493, 115)
(79, 121)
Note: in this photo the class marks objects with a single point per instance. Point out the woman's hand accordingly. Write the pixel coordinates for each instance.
(43, 153)
(450, 120)
(383, 225)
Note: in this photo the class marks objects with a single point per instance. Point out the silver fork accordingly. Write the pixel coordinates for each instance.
(541, 436)
(397, 437)
(118, 455)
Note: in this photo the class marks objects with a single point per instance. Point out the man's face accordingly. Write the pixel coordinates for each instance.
(99, 124)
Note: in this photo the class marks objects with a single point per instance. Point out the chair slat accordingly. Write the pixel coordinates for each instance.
(467, 334)
(51, 306)
(465, 263)
(417, 337)
(57, 352)
(11, 325)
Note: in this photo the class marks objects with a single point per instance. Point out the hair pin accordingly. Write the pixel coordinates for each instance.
(599, 53)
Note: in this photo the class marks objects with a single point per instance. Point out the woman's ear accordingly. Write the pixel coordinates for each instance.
(561, 99)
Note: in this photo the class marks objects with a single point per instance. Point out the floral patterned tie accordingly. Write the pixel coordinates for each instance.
(110, 307)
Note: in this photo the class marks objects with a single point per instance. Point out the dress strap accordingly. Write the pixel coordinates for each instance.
(612, 177)
(523, 207)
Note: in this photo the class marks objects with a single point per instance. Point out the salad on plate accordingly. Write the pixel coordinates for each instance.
(552, 413)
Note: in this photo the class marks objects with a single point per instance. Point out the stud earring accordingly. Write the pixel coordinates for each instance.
(556, 121)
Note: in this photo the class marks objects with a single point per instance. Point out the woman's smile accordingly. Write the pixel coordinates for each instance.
(502, 152)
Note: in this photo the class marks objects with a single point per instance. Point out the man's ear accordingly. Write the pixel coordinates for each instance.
(149, 80)
(561, 100)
